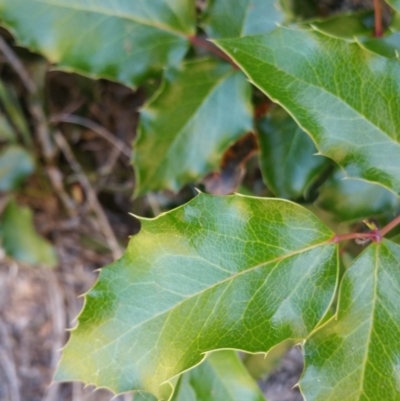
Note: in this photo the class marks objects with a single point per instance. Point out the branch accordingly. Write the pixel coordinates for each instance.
(378, 18)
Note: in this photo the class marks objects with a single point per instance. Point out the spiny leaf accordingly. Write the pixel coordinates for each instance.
(120, 40)
(184, 131)
(223, 19)
(345, 97)
(221, 376)
(287, 155)
(219, 272)
(356, 355)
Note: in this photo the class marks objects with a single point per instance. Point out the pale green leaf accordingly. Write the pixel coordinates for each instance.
(287, 155)
(16, 164)
(356, 355)
(121, 40)
(221, 377)
(222, 19)
(20, 240)
(345, 97)
(200, 110)
(351, 200)
(219, 272)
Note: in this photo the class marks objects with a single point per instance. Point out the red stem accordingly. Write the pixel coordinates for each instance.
(378, 18)
(200, 42)
(375, 236)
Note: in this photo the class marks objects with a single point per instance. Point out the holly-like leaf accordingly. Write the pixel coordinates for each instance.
(222, 19)
(20, 240)
(221, 376)
(351, 200)
(16, 164)
(287, 155)
(356, 355)
(120, 40)
(219, 272)
(200, 110)
(345, 97)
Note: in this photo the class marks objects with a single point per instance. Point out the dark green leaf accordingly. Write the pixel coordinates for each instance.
(221, 377)
(345, 97)
(287, 155)
(347, 26)
(355, 356)
(219, 272)
(351, 200)
(119, 40)
(223, 19)
(20, 240)
(16, 164)
(184, 131)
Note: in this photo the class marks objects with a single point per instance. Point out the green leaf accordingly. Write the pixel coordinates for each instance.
(199, 111)
(221, 376)
(394, 3)
(245, 17)
(16, 164)
(287, 155)
(351, 200)
(21, 241)
(345, 97)
(228, 272)
(347, 26)
(120, 40)
(355, 356)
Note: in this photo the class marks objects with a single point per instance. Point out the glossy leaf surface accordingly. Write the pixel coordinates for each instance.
(223, 19)
(345, 97)
(20, 240)
(287, 155)
(351, 200)
(184, 131)
(120, 40)
(16, 164)
(355, 356)
(221, 376)
(218, 272)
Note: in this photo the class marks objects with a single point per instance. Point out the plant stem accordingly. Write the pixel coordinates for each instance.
(378, 18)
(200, 42)
(375, 235)
(390, 226)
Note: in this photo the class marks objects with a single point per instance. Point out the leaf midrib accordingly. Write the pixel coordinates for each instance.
(132, 18)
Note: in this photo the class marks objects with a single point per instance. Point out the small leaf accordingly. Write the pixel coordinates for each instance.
(351, 200)
(287, 155)
(16, 164)
(228, 272)
(184, 131)
(21, 241)
(221, 376)
(345, 97)
(356, 355)
(222, 19)
(120, 40)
